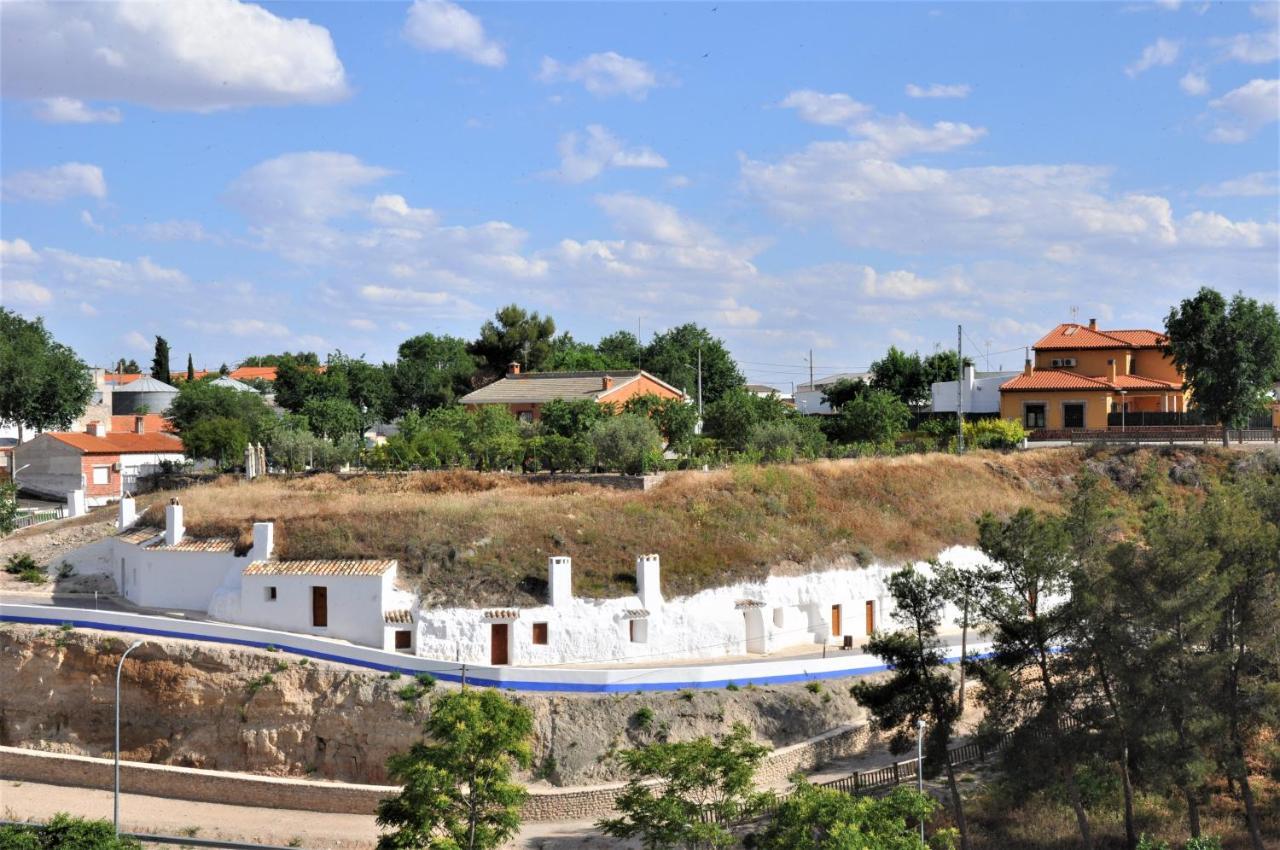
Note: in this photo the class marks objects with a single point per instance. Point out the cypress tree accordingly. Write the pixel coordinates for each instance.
(191, 370)
(160, 362)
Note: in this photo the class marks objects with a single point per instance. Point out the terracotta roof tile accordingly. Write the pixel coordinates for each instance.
(151, 423)
(137, 535)
(319, 568)
(86, 443)
(1054, 379)
(1069, 336)
(398, 616)
(266, 373)
(539, 387)
(130, 443)
(502, 614)
(207, 544)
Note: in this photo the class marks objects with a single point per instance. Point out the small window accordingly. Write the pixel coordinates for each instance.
(525, 416)
(639, 631)
(102, 475)
(404, 640)
(540, 634)
(1033, 416)
(271, 593)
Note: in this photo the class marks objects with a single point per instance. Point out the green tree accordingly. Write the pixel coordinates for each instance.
(366, 386)
(334, 418)
(569, 355)
(877, 416)
(458, 788)
(626, 443)
(492, 437)
(160, 361)
(431, 371)
(571, 417)
(302, 358)
(514, 335)
(1229, 353)
(732, 417)
(191, 369)
(816, 818)
(557, 454)
(941, 366)
(676, 418)
(8, 507)
(43, 384)
(688, 794)
(127, 367)
(297, 382)
(198, 400)
(621, 350)
(220, 439)
(844, 391)
(903, 375)
(1028, 687)
(920, 688)
(673, 357)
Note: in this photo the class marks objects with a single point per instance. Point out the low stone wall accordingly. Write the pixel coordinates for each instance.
(245, 789)
(607, 479)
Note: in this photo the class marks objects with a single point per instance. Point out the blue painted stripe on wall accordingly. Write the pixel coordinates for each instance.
(517, 685)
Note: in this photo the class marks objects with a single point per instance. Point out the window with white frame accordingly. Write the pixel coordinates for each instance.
(102, 475)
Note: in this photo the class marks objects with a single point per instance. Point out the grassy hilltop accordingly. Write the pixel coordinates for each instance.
(468, 538)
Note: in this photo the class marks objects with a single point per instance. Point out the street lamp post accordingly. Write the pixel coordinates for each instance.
(920, 768)
(1124, 408)
(119, 670)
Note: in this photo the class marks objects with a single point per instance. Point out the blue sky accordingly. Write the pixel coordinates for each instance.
(247, 178)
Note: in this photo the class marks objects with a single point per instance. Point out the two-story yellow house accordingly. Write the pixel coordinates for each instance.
(1079, 374)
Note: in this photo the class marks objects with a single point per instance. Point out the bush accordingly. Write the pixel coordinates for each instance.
(65, 832)
(626, 443)
(876, 416)
(643, 718)
(1003, 434)
(19, 563)
(8, 508)
(557, 453)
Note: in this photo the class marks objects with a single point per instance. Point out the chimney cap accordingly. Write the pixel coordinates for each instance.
(1093, 324)
(513, 368)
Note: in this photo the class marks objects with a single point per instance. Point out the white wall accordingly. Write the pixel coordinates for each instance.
(707, 624)
(981, 394)
(157, 578)
(355, 605)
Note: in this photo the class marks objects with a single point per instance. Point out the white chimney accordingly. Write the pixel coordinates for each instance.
(128, 513)
(264, 541)
(173, 527)
(560, 580)
(648, 581)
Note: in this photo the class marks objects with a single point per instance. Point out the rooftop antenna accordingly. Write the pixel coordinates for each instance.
(1075, 315)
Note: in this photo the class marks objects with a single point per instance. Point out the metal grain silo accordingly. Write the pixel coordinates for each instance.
(143, 395)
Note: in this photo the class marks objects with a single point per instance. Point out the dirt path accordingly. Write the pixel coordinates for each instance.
(278, 827)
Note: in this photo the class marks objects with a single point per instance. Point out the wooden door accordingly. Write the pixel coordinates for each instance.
(498, 644)
(837, 628)
(320, 606)
(871, 616)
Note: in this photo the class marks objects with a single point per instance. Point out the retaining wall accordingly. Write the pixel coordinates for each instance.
(246, 789)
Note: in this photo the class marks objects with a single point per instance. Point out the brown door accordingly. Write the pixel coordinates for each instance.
(404, 639)
(836, 628)
(320, 606)
(498, 644)
(871, 616)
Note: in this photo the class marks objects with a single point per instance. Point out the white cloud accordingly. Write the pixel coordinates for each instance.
(362, 324)
(68, 110)
(313, 186)
(194, 56)
(176, 230)
(651, 221)
(603, 74)
(17, 251)
(1194, 84)
(1160, 52)
(239, 326)
(1243, 111)
(1211, 230)
(822, 108)
(87, 309)
(441, 26)
(957, 90)
(898, 284)
(583, 158)
(136, 341)
(1254, 48)
(737, 315)
(24, 292)
(68, 180)
(1257, 184)
(86, 275)
(1266, 11)
(86, 218)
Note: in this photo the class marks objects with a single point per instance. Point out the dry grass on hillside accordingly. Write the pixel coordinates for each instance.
(485, 538)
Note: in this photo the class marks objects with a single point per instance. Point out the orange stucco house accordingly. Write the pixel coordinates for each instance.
(1079, 374)
(525, 393)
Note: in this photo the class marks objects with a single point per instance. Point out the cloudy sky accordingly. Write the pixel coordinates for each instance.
(244, 178)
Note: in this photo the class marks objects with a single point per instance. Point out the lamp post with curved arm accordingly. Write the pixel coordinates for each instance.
(119, 670)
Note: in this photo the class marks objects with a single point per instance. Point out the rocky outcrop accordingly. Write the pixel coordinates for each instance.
(197, 705)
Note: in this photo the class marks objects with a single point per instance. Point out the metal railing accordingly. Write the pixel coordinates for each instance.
(29, 518)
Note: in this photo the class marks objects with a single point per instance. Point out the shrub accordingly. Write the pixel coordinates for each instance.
(426, 680)
(66, 570)
(626, 443)
(643, 718)
(65, 831)
(8, 508)
(33, 576)
(876, 416)
(1003, 434)
(20, 562)
(409, 693)
(813, 687)
(557, 453)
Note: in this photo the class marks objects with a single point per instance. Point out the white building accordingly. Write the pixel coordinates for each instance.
(808, 397)
(980, 392)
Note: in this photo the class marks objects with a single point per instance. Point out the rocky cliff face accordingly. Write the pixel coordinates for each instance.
(207, 706)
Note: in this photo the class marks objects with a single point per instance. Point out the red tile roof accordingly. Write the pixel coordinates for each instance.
(121, 378)
(120, 443)
(1055, 379)
(248, 373)
(1070, 335)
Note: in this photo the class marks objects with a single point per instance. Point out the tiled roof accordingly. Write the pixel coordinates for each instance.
(1070, 335)
(151, 423)
(1056, 379)
(745, 604)
(538, 387)
(635, 614)
(86, 443)
(207, 544)
(137, 535)
(319, 568)
(130, 443)
(245, 373)
(398, 616)
(120, 378)
(502, 614)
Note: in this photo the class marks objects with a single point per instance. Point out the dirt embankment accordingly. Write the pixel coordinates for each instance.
(248, 710)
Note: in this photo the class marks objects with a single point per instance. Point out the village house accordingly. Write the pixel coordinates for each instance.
(100, 464)
(810, 398)
(1080, 374)
(525, 393)
(979, 392)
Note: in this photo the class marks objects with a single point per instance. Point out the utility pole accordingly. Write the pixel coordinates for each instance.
(115, 806)
(810, 370)
(920, 769)
(960, 390)
(699, 382)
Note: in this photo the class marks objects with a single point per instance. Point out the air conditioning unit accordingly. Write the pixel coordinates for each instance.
(1056, 363)
(115, 467)
(1070, 361)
